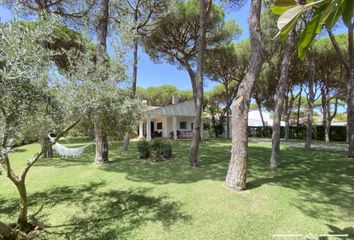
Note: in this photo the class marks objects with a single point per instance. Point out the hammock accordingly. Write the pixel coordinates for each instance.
(68, 152)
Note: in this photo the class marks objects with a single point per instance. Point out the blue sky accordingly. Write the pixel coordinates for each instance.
(151, 74)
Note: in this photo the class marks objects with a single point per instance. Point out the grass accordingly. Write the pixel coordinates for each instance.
(311, 193)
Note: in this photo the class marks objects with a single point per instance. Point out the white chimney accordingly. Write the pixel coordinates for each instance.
(174, 99)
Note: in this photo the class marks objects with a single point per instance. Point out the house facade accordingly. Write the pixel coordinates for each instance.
(174, 120)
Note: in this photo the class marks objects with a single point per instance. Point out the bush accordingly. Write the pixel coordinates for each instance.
(144, 149)
(156, 149)
(166, 149)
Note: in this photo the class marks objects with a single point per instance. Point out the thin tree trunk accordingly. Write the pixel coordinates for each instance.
(227, 111)
(134, 81)
(310, 100)
(279, 101)
(350, 120)
(260, 113)
(228, 124)
(101, 52)
(325, 112)
(22, 220)
(298, 108)
(237, 173)
(205, 6)
(287, 120)
(48, 150)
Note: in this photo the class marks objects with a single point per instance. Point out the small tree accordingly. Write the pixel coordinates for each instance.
(24, 88)
(28, 78)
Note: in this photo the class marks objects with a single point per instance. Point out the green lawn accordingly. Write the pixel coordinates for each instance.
(312, 192)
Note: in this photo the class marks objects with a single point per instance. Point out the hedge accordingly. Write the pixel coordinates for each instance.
(337, 133)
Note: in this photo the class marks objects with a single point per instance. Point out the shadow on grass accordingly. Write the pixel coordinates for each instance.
(98, 213)
(323, 181)
(349, 232)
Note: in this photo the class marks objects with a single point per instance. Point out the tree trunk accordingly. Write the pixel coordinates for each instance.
(101, 145)
(279, 101)
(205, 6)
(101, 60)
(350, 116)
(261, 113)
(46, 146)
(325, 112)
(287, 120)
(227, 111)
(22, 220)
(134, 81)
(237, 173)
(350, 120)
(310, 100)
(228, 124)
(298, 108)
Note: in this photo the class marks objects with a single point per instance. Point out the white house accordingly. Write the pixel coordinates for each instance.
(169, 120)
(179, 117)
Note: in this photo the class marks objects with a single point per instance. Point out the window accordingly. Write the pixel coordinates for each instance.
(159, 126)
(206, 126)
(192, 126)
(182, 125)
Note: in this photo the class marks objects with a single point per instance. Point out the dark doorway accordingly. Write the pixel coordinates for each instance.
(152, 127)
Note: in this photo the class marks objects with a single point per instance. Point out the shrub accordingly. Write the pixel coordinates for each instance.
(166, 149)
(144, 149)
(156, 149)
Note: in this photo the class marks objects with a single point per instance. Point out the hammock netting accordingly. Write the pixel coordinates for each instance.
(67, 152)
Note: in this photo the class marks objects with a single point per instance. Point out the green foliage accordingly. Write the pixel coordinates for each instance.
(174, 36)
(323, 13)
(144, 148)
(166, 149)
(156, 149)
(162, 95)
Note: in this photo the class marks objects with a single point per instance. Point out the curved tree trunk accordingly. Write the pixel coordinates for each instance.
(279, 101)
(310, 100)
(237, 173)
(101, 52)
